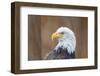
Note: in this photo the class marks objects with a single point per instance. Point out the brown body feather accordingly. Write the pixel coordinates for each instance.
(60, 54)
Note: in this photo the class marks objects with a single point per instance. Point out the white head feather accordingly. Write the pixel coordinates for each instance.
(68, 40)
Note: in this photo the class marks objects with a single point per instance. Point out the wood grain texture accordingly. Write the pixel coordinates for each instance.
(34, 38)
(41, 28)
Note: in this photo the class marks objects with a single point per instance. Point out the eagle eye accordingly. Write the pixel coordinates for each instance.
(62, 33)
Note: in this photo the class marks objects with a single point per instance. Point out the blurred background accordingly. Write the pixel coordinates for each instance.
(40, 29)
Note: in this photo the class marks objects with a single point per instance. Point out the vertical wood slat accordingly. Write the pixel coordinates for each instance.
(34, 37)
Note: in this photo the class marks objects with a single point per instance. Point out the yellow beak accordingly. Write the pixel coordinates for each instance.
(56, 35)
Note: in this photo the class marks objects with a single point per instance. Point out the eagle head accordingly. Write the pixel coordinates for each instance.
(66, 39)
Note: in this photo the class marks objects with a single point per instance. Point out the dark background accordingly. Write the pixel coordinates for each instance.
(40, 29)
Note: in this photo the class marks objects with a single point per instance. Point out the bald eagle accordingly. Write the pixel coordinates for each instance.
(66, 43)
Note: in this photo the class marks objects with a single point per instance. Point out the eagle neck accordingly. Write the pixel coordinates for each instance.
(65, 44)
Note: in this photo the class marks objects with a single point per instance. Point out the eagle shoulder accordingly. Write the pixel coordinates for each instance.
(60, 54)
